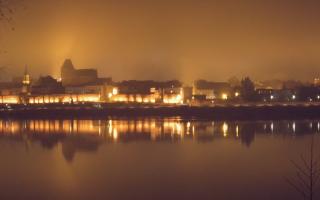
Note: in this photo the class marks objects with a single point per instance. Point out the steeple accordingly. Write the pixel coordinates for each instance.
(26, 77)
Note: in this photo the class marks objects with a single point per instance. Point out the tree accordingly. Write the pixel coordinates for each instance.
(7, 10)
(247, 89)
(307, 175)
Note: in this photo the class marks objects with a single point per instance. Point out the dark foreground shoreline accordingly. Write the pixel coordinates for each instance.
(98, 111)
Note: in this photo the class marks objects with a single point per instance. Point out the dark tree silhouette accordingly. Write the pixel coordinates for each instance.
(307, 175)
(306, 93)
(247, 89)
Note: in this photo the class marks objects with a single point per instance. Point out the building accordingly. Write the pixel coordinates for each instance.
(47, 90)
(272, 95)
(212, 90)
(84, 81)
(72, 77)
(62, 98)
(134, 91)
(102, 87)
(264, 94)
(187, 94)
(47, 85)
(10, 99)
(10, 88)
(26, 81)
(269, 84)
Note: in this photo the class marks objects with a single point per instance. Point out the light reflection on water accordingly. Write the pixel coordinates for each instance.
(213, 156)
(89, 134)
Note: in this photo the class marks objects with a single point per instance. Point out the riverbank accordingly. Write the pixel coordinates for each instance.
(99, 111)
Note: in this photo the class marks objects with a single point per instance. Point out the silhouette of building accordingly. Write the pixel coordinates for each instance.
(73, 77)
(47, 85)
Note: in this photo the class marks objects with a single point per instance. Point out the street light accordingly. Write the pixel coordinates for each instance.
(224, 96)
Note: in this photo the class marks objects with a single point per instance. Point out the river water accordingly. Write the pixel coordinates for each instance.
(152, 158)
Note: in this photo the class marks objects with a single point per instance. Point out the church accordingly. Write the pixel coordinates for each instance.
(77, 77)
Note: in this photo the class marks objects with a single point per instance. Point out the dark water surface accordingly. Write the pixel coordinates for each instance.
(151, 158)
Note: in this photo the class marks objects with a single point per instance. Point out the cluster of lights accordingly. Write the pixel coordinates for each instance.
(9, 99)
(114, 96)
(134, 98)
(173, 99)
(64, 98)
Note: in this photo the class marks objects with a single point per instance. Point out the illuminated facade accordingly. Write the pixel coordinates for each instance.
(8, 99)
(89, 88)
(63, 98)
(93, 98)
(154, 96)
(212, 90)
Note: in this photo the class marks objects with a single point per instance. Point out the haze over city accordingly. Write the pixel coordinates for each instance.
(164, 40)
(160, 99)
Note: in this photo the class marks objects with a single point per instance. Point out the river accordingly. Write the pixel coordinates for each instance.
(152, 158)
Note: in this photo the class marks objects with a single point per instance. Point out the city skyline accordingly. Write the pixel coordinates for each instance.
(160, 99)
(166, 40)
(34, 76)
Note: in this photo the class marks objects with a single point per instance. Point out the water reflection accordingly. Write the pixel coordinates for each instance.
(87, 135)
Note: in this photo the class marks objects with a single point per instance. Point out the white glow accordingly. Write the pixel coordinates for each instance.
(115, 91)
(225, 129)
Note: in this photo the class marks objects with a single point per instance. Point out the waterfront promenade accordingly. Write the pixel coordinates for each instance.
(244, 111)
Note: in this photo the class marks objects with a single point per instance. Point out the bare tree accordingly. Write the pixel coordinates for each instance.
(7, 10)
(307, 174)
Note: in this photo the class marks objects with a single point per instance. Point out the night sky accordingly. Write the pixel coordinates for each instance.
(174, 39)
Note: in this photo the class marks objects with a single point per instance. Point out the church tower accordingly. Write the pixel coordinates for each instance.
(67, 72)
(26, 82)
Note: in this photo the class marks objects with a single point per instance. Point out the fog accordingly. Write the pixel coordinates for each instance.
(163, 39)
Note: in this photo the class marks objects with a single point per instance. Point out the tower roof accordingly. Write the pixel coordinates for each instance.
(67, 64)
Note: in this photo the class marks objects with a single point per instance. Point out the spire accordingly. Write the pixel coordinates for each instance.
(26, 77)
(26, 70)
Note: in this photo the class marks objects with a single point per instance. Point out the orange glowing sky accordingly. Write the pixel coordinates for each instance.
(166, 39)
